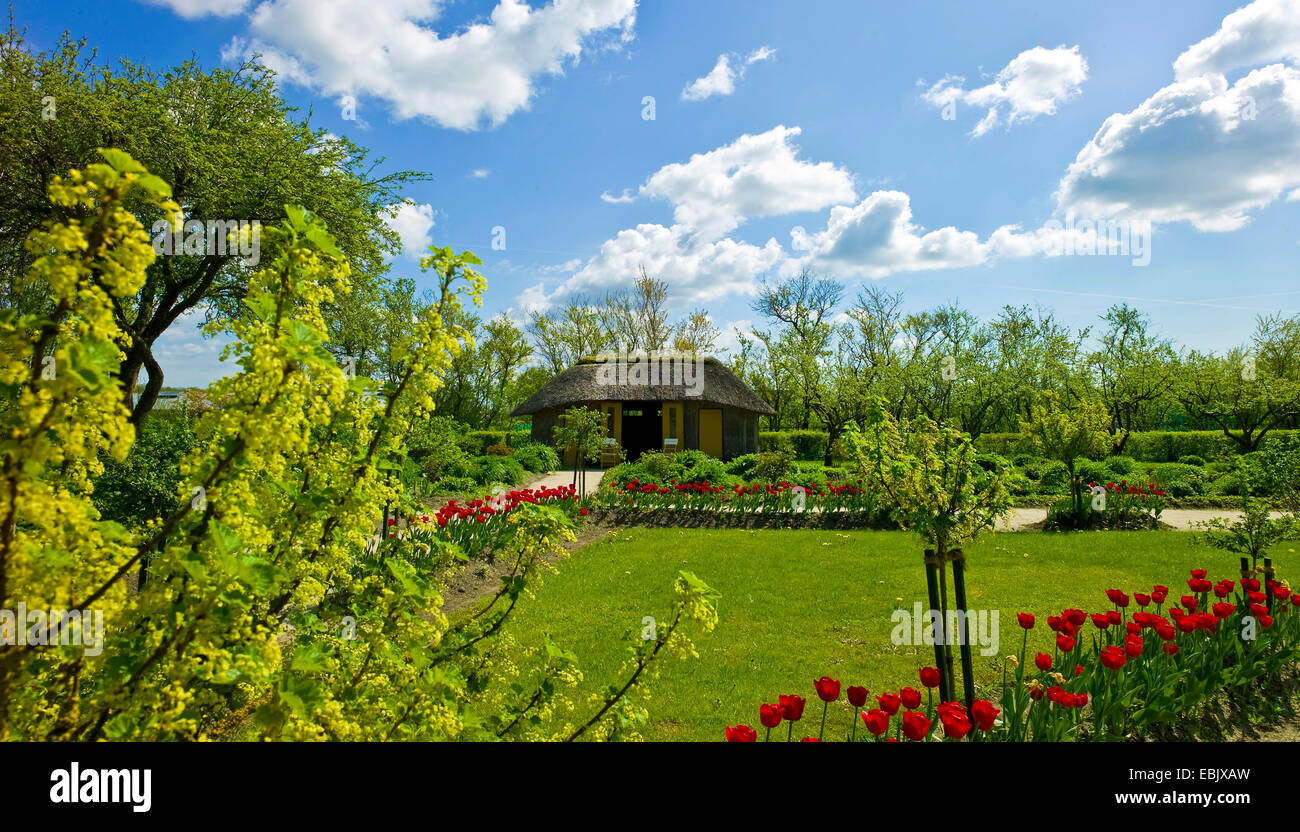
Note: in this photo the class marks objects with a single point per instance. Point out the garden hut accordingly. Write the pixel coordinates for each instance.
(661, 402)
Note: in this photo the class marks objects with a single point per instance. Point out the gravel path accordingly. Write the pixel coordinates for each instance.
(566, 478)
(1182, 519)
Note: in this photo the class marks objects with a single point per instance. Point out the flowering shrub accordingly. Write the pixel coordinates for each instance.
(255, 613)
(1128, 670)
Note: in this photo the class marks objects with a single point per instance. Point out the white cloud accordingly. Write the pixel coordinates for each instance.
(697, 270)
(567, 266)
(485, 72)
(877, 237)
(1033, 84)
(412, 223)
(480, 173)
(754, 176)
(1263, 32)
(722, 79)
(624, 197)
(194, 9)
(1198, 150)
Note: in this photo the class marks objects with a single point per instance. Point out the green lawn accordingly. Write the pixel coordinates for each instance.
(799, 604)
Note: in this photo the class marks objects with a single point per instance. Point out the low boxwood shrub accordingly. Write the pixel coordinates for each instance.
(1192, 459)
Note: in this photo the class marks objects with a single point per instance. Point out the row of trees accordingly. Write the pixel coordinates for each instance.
(820, 369)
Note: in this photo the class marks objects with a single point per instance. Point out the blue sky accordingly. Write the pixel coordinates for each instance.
(927, 146)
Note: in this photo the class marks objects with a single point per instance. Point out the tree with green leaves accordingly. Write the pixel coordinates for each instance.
(1065, 433)
(935, 488)
(582, 431)
(1251, 389)
(1134, 372)
(231, 149)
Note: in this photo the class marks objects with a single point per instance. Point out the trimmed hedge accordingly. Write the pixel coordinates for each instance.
(1147, 446)
(805, 444)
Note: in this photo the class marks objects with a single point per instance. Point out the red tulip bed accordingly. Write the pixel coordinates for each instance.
(1129, 506)
(777, 498)
(1123, 672)
(476, 526)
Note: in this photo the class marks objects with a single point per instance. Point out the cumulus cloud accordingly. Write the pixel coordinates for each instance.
(622, 198)
(412, 223)
(697, 270)
(754, 176)
(194, 9)
(722, 79)
(1263, 32)
(485, 72)
(1033, 84)
(877, 237)
(1200, 150)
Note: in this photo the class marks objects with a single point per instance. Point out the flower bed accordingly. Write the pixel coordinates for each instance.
(1117, 673)
(778, 498)
(476, 526)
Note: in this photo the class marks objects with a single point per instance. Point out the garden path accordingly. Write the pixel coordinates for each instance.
(1181, 519)
(556, 478)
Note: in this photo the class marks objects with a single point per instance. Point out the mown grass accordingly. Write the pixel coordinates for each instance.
(797, 604)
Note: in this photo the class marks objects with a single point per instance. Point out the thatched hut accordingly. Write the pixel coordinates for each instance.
(668, 403)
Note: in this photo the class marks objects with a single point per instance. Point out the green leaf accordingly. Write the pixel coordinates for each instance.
(121, 161)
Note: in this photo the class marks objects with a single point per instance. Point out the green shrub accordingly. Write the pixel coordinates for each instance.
(1089, 471)
(699, 467)
(1191, 459)
(1227, 485)
(486, 470)
(743, 466)
(1005, 444)
(1188, 477)
(498, 450)
(1024, 460)
(456, 485)
(146, 484)
(1179, 488)
(537, 458)
(1054, 475)
(476, 442)
(804, 444)
(992, 462)
(1121, 466)
(774, 466)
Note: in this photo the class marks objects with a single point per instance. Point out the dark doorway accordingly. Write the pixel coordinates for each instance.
(642, 431)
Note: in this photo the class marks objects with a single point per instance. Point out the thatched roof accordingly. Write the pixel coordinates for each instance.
(588, 381)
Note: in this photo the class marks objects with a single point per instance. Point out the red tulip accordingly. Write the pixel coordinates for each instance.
(889, 703)
(915, 725)
(1043, 661)
(1026, 620)
(792, 707)
(857, 696)
(1113, 657)
(910, 697)
(769, 715)
(877, 721)
(741, 733)
(930, 677)
(828, 689)
(983, 714)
